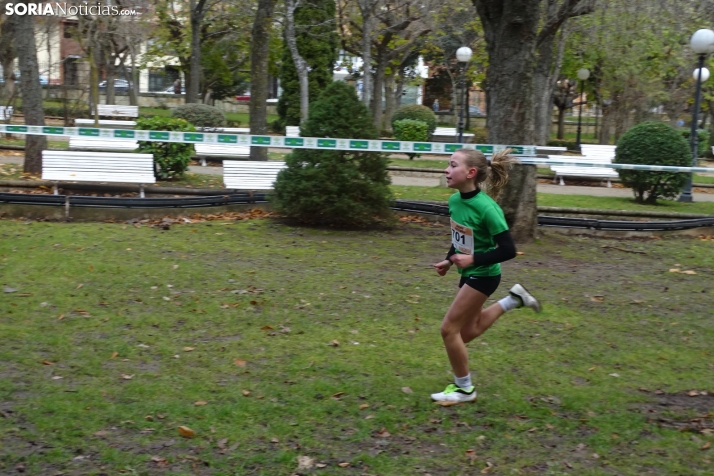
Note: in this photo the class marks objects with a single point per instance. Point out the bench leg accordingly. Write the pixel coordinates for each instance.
(555, 179)
(141, 191)
(562, 182)
(609, 184)
(55, 189)
(203, 161)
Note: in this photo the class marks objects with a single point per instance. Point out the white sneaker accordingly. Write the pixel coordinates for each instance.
(526, 298)
(454, 394)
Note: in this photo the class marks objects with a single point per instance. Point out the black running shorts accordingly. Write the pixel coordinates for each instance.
(484, 284)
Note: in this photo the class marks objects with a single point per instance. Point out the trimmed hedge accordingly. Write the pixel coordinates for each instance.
(200, 115)
(411, 130)
(416, 112)
(653, 143)
(171, 159)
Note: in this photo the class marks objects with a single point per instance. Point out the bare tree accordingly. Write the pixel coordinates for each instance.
(260, 47)
(300, 63)
(32, 108)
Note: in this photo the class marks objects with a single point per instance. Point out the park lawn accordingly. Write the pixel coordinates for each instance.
(272, 342)
(406, 192)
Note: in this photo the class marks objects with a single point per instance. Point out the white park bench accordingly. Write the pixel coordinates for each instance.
(111, 110)
(225, 130)
(292, 131)
(604, 173)
(251, 175)
(449, 134)
(62, 165)
(204, 151)
(5, 113)
(548, 150)
(101, 143)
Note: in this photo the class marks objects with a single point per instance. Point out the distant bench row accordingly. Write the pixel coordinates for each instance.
(120, 167)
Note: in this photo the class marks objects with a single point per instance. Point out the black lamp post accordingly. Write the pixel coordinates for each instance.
(702, 43)
(583, 75)
(463, 54)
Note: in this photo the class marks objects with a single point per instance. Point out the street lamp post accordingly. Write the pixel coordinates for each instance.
(463, 54)
(702, 43)
(583, 75)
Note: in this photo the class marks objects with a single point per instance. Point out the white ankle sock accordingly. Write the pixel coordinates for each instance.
(509, 302)
(463, 382)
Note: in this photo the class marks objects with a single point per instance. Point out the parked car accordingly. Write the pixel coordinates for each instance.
(475, 111)
(43, 79)
(120, 85)
(243, 97)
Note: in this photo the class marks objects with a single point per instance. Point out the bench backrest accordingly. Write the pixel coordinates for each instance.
(592, 159)
(117, 111)
(292, 131)
(105, 122)
(97, 166)
(251, 174)
(222, 150)
(445, 131)
(5, 113)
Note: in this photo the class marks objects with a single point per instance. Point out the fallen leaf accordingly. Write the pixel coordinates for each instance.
(79, 286)
(222, 443)
(592, 368)
(343, 465)
(614, 375)
(114, 355)
(407, 390)
(240, 363)
(101, 433)
(364, 406)
(246, 393)
(57, 377)
(160, 460)
(334, 343)
(266, 328)
(706, 446)
(383, 433)
(127, 377)
(175, 266)
(274, 440)
(488, 468)
(369, 417)
(186, 432)
(597, 298)
(520, 253)
(675, 270)
(338, 394)
(200, 403)
(321, 465)
(693, 393)
(689, 271)
(305, 462)
(47, 362)
(188, 349)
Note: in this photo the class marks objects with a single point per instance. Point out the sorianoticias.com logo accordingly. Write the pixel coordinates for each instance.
(66, 9)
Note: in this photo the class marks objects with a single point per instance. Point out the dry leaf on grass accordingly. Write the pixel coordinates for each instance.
(364, 406)
(407, 390)
(334, 343)
(127, 377)
(343, 465)
(188, 349)
(240, 363)
(488, 468)
(47, 362)
(186, 432)
(597, 298)
(706, 446)
(114, 355)
(246, 393)
(305, 462)
(200, 403)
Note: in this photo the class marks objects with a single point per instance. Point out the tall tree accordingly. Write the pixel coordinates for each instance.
(31, 91)
(8, 54)
(198, 13)
(311, 46)
(259, 55)
(514, 29)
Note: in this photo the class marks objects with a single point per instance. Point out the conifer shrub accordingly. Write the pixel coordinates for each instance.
(653, 143)
(201, 115)
(171, 159)
(342, 188)
(411, 130)
(416, 112)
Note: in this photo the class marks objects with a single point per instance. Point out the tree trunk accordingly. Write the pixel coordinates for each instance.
(259, 74)
(31, 91)
(193, 86)
(606, 124)
(298, 60)
(7, 57)
(390, 100)
(520, 208)
(111, 74)
(377, 90)
(365, 7)
(93, 83)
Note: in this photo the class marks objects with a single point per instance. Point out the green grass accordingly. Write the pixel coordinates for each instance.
(113, 332)
(556, 200)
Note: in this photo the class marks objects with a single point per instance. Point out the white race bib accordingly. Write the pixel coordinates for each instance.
(462, 237)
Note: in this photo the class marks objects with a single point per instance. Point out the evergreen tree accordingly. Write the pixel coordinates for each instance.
(335, 187)
(317, 44)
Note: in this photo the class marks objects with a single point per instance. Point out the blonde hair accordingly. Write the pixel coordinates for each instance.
(496, 173)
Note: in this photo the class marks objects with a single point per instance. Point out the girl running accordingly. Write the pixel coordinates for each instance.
(480, 241)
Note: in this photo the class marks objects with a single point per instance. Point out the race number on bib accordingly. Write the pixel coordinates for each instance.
(462, 237)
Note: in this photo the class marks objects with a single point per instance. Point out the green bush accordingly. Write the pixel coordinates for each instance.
(200, 115)
(171, 159)
(569, 144)
(416, 112)
(335, 187)
(480, 135)
(411, 130)
(653, 143)
(703, 141)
